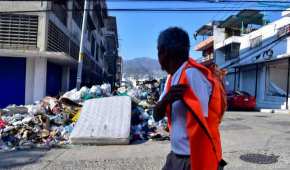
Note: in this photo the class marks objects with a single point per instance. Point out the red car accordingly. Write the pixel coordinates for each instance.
(241, 100)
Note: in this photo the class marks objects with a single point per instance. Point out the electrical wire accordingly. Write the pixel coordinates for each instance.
(215, 16)
(207, 1)
(252, 1)
(156, 10)
(273, 5)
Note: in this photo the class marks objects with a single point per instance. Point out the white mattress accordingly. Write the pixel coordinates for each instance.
(103, 121)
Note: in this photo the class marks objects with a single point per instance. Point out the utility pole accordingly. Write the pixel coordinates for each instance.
(81, 53)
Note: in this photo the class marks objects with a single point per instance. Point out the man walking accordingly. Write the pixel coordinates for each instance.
(192, 102)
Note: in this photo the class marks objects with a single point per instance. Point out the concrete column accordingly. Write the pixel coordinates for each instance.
(241, 74)
(42, 37)
(35, 83)
(262, 85)
(29, 82)
(65, 79)
(40, 70)
(69, 16)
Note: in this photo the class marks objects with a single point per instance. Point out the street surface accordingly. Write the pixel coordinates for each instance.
(251, 141)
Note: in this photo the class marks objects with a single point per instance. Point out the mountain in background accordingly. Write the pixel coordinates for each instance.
(142, 68)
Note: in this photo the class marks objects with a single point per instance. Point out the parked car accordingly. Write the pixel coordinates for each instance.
(241, 100)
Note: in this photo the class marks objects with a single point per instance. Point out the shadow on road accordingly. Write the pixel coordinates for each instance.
(20, 158)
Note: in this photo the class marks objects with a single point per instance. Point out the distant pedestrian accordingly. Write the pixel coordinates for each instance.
(192, 101)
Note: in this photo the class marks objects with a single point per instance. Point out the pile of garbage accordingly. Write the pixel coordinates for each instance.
(144, 97)
(49, 122)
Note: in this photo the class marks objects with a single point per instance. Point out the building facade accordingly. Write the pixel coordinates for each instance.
(39, 49)
(206, 45)
(119, 70)
(256, 54)
(111, 54)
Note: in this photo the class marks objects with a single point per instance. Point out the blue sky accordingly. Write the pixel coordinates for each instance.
(138, 31)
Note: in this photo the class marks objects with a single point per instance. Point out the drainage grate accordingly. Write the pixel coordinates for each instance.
(235, 127)
(259, 158)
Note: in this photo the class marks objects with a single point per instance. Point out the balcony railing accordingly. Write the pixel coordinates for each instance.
(205, 58)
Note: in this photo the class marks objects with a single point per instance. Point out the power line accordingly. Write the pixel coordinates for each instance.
(257, 1)
(224, 7)
(208, 1)
(188, 10)
(157, 10)
(273, 5)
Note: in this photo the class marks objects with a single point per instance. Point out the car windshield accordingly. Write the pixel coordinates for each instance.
(242, 93)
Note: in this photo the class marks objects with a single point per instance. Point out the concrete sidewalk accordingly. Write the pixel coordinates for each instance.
(251, 141)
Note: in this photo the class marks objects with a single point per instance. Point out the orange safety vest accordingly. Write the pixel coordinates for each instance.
(203, 133)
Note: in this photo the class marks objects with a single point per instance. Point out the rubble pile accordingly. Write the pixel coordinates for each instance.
(49, 122)
(144, 96)
(46, 123)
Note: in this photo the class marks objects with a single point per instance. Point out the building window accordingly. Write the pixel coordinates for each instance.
(77, 13)
(90, 25)
(97, 51)
(232, 51)
(97, 10)
(58, 41)
(256, 42)
(59, 8)
(110, 44)
(283, 30)
(93, 47)
(232, 32)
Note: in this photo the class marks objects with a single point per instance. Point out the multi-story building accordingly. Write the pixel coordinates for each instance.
(119, 70)
(206, 45)
(39, 49)
(111, 47)
(256, 54)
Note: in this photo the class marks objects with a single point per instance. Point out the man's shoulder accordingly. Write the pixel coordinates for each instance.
(193, 72)
(196, 76)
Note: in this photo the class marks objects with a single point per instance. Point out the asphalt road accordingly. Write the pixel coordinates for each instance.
(251, 141)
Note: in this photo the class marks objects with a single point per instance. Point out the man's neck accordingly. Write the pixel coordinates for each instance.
(176, 66)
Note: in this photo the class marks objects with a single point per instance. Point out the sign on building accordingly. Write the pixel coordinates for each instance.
(283, 30)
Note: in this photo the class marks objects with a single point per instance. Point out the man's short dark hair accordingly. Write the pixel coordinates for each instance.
(175, 41)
